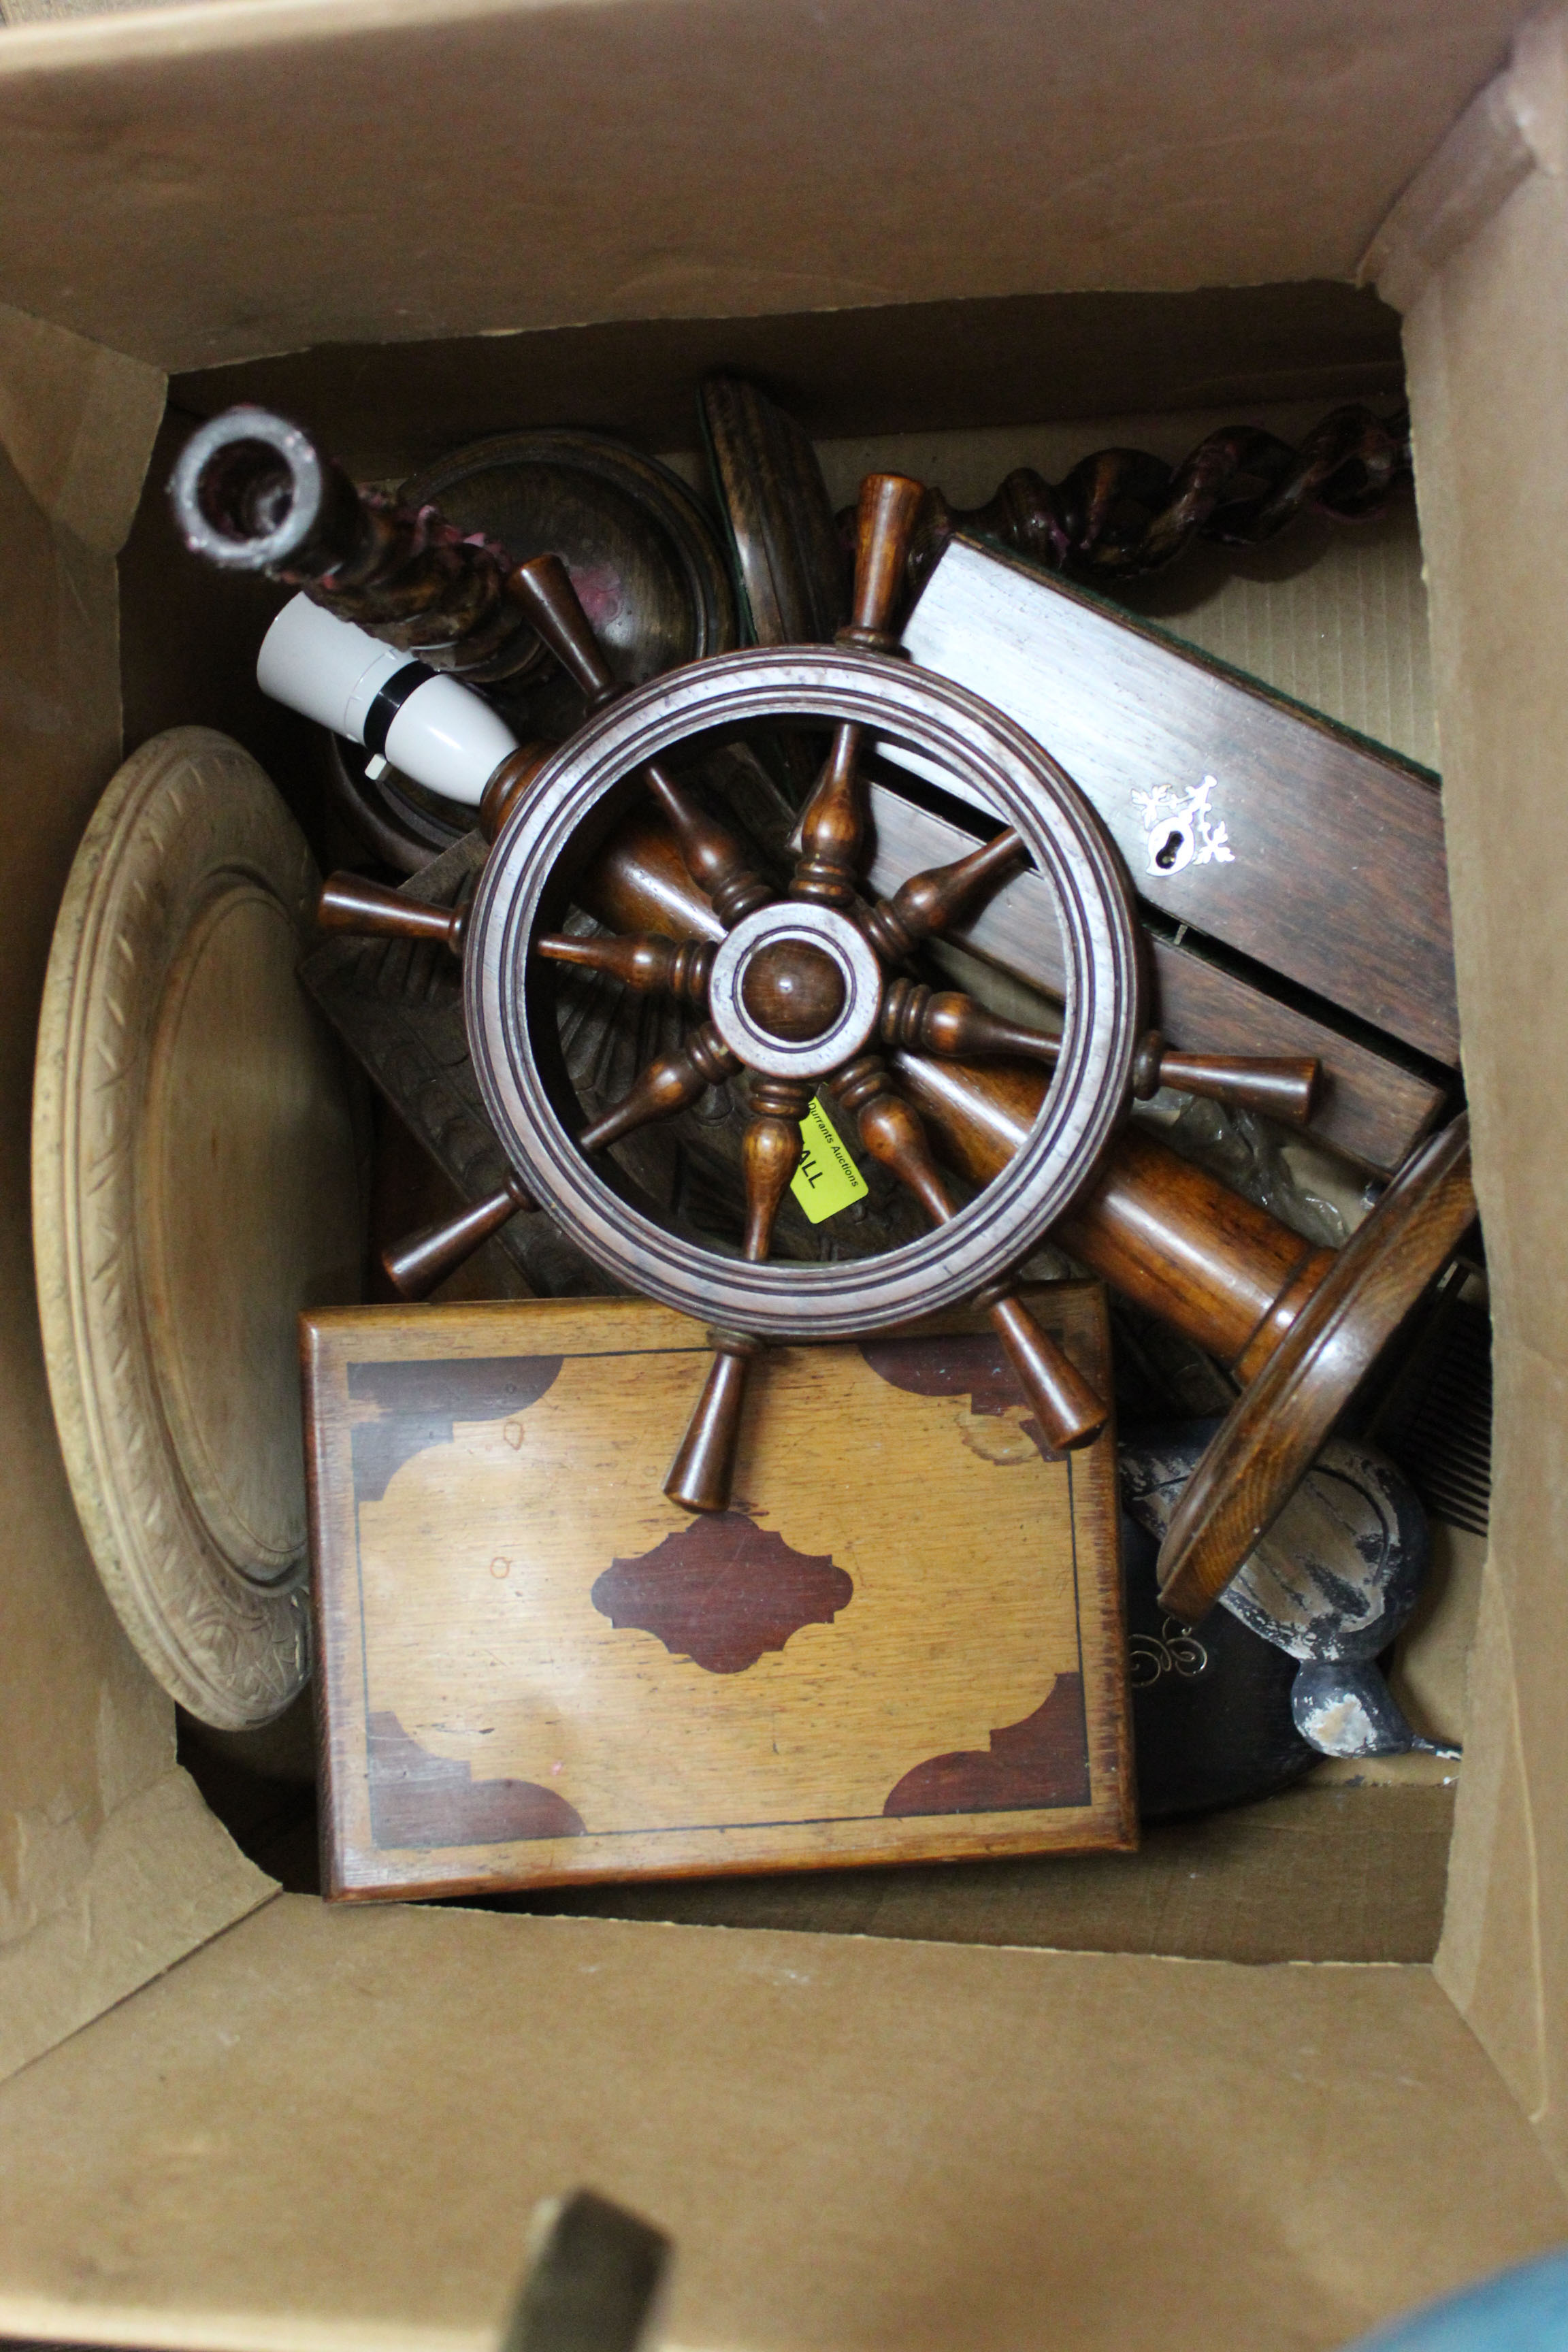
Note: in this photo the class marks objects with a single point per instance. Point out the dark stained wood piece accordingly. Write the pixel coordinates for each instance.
(665, 1086)
(1279, 1087)
(931, 901)
(416, 1267)
(789, 558)
(1067, 1410)
(832, 826)
(1337, 881)
(643, 551)
(1165, 1233)
(637, 960)
(251, 491)
(1366, 1106)
(793, 990)
(704, 1466)
(350, 903)
(714, 857)
(703, 1470)
(1268, 1443)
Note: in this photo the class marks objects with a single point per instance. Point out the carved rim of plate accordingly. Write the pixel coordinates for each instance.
(233, 1648)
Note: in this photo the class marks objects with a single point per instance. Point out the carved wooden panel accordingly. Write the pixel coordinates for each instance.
(535, 1668)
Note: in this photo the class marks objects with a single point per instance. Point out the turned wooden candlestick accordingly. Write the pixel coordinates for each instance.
(254, 492)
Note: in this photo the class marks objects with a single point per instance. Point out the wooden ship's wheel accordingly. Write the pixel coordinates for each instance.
(798, 989)
(807, 987)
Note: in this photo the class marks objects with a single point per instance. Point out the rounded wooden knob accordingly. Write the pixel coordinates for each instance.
(792, 990)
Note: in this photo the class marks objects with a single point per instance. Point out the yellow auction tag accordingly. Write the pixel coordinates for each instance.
(827, 1179)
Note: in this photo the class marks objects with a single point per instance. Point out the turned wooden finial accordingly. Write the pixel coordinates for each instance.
(885, 523)
(834, 825)
(416, 1267)
(704, 1467)
(349, 903)
(924, 1020)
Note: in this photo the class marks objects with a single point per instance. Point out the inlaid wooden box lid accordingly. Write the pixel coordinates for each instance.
(903, 1642)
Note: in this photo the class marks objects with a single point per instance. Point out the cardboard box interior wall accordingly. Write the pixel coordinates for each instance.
(318, 2127)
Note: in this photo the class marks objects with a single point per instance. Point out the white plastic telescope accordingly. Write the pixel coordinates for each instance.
(437, 732)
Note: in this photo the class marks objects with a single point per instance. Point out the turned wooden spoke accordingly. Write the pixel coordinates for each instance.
(713, 856)
(1283, 1088)
(416, 1266)
(643, 960)
(349, 903)
(833, 828)
(928, 903)
(1067, 1408)
(704, 1467)
(922, 1020)
(666, 1086)
(770, 1154)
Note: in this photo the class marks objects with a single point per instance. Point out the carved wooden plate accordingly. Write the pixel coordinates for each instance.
(195, 1183)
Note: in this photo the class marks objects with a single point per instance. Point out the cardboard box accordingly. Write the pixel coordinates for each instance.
(239, 2119)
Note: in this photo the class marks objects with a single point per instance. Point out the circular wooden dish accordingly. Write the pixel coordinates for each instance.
(195, 1183)
(645, 561)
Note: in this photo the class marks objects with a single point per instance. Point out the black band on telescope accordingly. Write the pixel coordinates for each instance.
(390, 700)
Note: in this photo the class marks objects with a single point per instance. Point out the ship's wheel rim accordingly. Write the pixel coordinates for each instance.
(1104, 1012)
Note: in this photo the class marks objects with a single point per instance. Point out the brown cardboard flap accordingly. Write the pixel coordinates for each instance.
(1488, 379)
(328, 2129)
(77, 423)
(690, 158)
(161, 1878)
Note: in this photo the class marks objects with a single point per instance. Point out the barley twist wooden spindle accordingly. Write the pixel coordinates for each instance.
(254, 492)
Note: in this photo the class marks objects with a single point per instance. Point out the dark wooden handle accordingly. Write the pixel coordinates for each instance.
(945, 1021)
(713, 856)
(885, 524)
(770, 1154)
(416, 1266)
(1069, 1412)
(925, 905)
(543, 587)
(832, 826)
(665, 1086)
(509, 782)
(642, 961)
(704, 1467)
(349, 903)
(1283, 1090)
